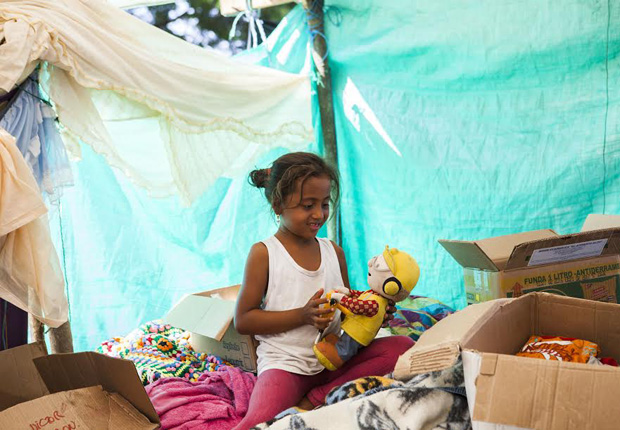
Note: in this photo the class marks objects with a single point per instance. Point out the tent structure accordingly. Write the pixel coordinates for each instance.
(454, 119)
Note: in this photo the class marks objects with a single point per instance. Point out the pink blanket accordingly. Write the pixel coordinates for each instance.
(218, 400)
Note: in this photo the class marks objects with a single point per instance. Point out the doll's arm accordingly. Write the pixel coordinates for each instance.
(368, 308)
(347, 292)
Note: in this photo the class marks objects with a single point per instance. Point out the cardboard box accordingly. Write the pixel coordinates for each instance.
(521, 392)
(209, 316)
(84, 390)
(584, 265)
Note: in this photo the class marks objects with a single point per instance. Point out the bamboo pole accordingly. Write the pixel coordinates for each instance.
(314, 12)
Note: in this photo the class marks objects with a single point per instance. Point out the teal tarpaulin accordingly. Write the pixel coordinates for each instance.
(455, 120)
(471, 119)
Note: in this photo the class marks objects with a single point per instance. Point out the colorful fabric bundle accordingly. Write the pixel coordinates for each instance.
(160, 351)
(560, 349)
(416, 314)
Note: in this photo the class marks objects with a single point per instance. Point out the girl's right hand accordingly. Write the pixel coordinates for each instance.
(315, 314)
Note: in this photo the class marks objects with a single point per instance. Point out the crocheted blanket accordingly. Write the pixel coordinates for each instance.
(159, 350)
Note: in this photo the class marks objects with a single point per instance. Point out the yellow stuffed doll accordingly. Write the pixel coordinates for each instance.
(391, 275)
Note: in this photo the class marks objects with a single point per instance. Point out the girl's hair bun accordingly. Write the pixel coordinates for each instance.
(259, 178)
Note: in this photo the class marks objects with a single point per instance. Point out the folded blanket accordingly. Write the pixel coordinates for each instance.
(218, 400)
(434, 400)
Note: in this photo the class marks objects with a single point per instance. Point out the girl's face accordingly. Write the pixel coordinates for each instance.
(306, 209)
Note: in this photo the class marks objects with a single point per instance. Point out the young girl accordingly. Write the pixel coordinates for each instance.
(281, 295)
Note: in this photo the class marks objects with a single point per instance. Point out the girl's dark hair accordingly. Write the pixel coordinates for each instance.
(279, 180)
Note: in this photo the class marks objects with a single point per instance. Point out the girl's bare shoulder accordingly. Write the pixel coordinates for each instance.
(258, 254)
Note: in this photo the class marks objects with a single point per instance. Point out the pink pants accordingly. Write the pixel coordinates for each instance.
(277, 390)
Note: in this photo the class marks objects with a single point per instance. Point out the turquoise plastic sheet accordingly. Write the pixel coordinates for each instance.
(455, 120)
(128, 258)
(471, 119)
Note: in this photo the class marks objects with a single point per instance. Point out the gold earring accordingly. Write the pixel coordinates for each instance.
(278, 218)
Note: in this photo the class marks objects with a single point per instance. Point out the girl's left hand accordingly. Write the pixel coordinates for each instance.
(389, 313)
(315, 313)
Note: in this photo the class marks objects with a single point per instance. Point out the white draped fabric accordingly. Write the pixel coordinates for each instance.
(172, 116)
(126, 4)
(30, 275)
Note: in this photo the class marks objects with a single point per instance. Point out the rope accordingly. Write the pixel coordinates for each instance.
(255, 25)
(314, 16)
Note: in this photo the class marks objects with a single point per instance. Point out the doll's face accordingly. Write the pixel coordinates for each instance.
(378, 272)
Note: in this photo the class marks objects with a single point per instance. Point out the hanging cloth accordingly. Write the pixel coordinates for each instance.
(30, 275)
(32, 122)
(172, 116)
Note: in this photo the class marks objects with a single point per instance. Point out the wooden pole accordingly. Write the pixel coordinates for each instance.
(314, 12)
(36, 329)
(60, 339)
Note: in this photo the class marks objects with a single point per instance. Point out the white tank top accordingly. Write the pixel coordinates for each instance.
(291, 286)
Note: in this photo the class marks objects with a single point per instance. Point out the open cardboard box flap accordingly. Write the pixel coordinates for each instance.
(492, 253)
(88, 389)
(600, 222)
(440, 347)
(209, 313)
(515, 251)
(62, 372)
(20, 380)
(89, 408)
(525, 392)
(208, 316)
(563, 248)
